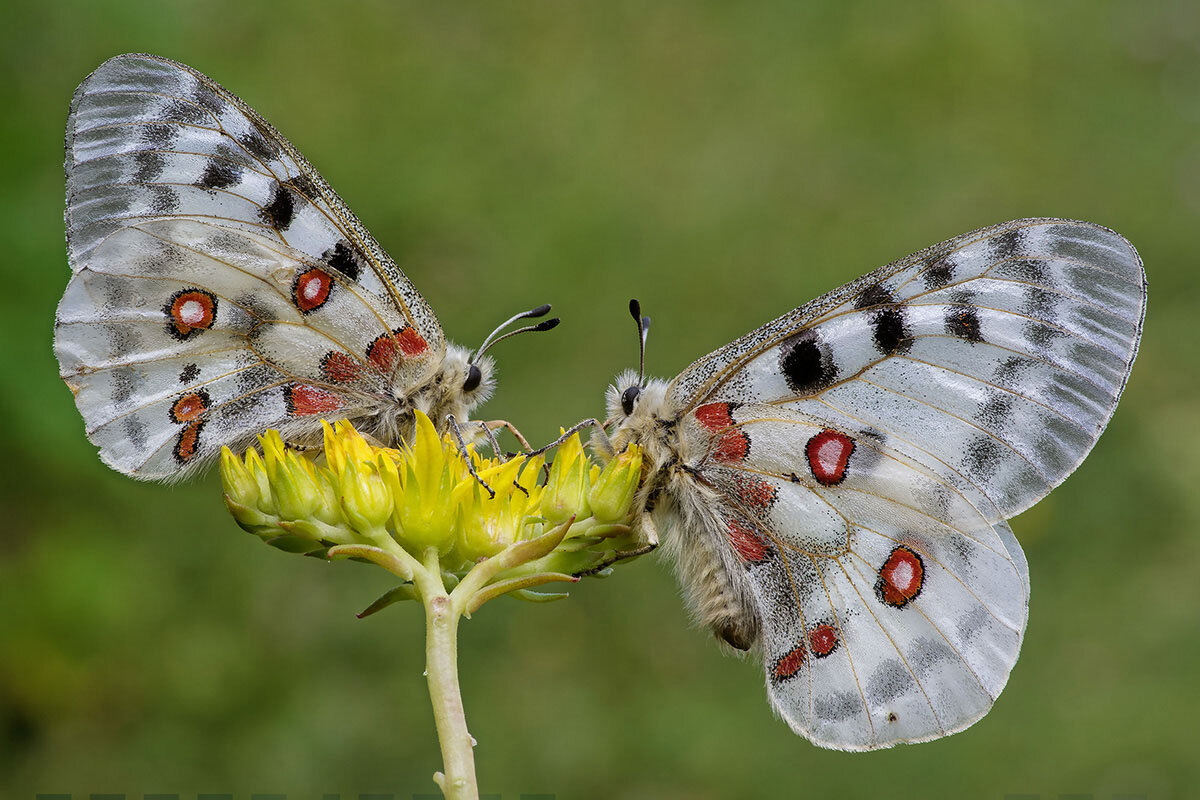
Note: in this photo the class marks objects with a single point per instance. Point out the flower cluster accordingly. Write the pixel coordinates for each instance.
(423, 500)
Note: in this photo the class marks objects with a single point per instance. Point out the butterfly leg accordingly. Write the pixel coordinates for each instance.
(491, 437)
(462, 451)
(598, 427)
(649, 535)
(496, 424)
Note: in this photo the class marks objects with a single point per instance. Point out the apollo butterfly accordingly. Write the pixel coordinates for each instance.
(834, 485)
(220, 287)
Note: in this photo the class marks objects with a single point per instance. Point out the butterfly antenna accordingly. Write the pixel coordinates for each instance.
(643, 325)
(533, 313)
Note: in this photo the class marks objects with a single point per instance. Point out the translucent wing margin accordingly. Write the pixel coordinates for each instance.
(998, 355)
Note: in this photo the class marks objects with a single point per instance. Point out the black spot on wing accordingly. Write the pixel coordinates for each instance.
(189, 373)
(219, 174)
(938, 274)
(163, 199)
(1007, 245)
(305, 187)
(963, 322)
(150, 165)
(203, 96)
(1027, 269)
(183, 111)
(995, 412)
(344, 259)
(135, 430)
(889, 680)
(257, 145)
(1008, 372)
(282, 208)
(874, 295)
(891, 330)
(159, 135)
(982, 457)
(806, 363)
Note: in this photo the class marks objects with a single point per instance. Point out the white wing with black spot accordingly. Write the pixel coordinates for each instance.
(867, 448)
(999, 354)
(219, 285)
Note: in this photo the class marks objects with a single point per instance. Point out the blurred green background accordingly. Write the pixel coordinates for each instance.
(723, 163)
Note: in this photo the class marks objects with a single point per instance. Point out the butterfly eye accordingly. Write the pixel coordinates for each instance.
(474, 378)
(628, 398)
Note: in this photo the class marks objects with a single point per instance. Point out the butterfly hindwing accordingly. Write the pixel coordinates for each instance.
(890, 609)
(220, 286)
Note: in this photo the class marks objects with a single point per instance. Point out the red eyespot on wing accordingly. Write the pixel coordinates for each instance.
(188, 442)
(311, 289)
(788, 665)
(823, 640)
(189, 312)
(303, 400)
(189, 406)
(715, 416)
(828, 454)
(900, 577)
(746, 542)
(338, 367)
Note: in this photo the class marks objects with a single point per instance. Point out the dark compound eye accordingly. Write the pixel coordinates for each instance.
(628, 398)
(474, 378)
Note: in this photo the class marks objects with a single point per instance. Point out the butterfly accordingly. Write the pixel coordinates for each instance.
(220, 287)
(834, 485)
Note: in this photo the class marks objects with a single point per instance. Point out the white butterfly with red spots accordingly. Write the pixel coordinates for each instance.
(220, 287)
(834, 485)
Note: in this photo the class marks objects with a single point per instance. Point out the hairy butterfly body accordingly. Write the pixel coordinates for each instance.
(221, 287)
(834, 485)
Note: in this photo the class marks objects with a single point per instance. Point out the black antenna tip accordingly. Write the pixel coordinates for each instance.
(540, 311)
(546, 324)
(635, 309)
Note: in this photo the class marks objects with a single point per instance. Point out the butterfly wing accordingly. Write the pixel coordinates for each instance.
(869, 446)
(219, 285)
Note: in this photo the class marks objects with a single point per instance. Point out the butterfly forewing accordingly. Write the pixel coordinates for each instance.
(220, 286)
(999, 354)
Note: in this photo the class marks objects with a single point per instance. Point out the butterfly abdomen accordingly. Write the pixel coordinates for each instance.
(714, 581)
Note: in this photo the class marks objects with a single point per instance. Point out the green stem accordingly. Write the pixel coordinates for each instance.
(441, 671)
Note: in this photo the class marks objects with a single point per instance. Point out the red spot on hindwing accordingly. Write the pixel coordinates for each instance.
(412, 344)
(828, 454)
(758, 495)
(189, 312)
(303, 400)
(190, 406)
(338, 367)
(311, 289)
(715, 416)
(729, 444)
(188, 441)
(788, 665)
(383, 350)
(900, 578)
(823, 639)
(747, 542)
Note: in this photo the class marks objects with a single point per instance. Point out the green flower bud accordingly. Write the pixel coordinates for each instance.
(613, 490)
(567, 487)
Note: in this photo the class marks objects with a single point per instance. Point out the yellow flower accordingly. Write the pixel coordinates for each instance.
(400, 508)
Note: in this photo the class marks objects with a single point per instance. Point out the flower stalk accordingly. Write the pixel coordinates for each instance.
(419, 513)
